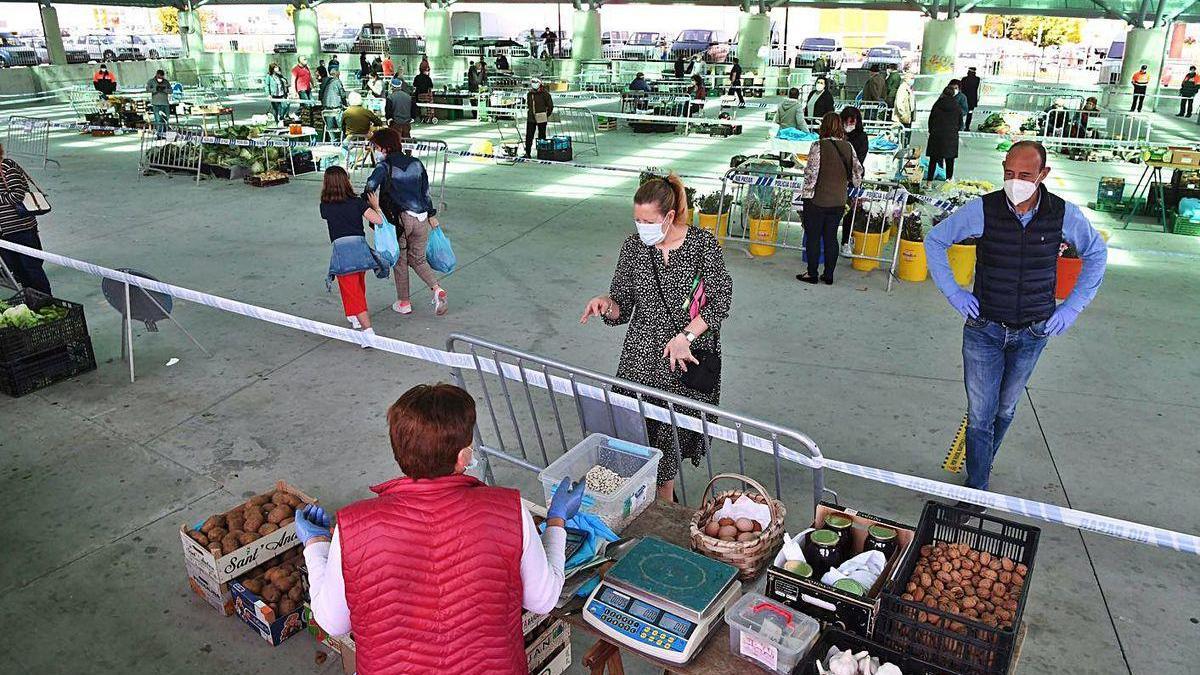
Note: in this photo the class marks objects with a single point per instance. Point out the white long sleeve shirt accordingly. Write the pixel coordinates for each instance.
(542, 561)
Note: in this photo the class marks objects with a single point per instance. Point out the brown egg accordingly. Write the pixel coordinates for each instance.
(757, 527)
(744, 525)
(725, 522)
(727, 532)
(747, 536)
(712, 529)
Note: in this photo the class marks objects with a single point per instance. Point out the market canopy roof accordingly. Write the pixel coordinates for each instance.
(1125, 10)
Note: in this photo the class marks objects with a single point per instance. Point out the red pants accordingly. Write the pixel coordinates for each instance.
(353, 288)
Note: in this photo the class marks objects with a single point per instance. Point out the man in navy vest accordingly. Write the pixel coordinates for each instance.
(1011, 312)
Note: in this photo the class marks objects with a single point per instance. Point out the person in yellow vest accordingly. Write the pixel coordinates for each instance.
(1140, 80)
(1187, 92)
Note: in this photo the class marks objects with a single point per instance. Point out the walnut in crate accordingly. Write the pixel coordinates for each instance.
(956, 579)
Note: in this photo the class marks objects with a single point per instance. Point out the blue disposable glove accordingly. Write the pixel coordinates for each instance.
(1061, 320)
(312, 521)
(566, 500)
(965, 303)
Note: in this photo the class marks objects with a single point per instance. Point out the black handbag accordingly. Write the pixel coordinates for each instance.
(706, 375)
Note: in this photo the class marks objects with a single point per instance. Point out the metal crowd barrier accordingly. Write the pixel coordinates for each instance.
(434, 154)
(29, 137)
(532, 410)
(579, 124)
(179, 150)
(766, 192)
(84, 100)
(1029, 101)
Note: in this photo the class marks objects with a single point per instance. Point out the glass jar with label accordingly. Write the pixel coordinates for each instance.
(823, 551)
(881, 538)
(844, 527)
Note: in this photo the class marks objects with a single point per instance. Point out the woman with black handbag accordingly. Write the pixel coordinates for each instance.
(672, 288)
(832, 168)
(18, 224)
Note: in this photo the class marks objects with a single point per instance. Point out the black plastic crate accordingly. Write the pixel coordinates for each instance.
(19, 343)
(976, 649)
(27, 375)
(563, 155)
(843, 640)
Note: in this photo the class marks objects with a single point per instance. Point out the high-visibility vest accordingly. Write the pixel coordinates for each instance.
(1141, 77)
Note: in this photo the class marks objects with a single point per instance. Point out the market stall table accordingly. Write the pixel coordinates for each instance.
(1152, 179)
(670, 522)
(306, 134)
(214, 112)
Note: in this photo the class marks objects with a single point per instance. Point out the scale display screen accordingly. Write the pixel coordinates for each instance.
(674, 624)
(614, 599)
(647, 613)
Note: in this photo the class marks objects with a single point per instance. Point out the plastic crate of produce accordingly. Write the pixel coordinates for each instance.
(1186, 227)
(637, 465)
(27, 375)
(846, 641)
(18, 343)
(555, 155)
(950, 639)
(1110, 189)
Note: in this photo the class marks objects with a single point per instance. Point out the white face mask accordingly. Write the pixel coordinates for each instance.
(650, 233)
(1019, 191)
(851, 127)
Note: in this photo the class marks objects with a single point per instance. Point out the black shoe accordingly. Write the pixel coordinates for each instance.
(827, 282)
(806, 278)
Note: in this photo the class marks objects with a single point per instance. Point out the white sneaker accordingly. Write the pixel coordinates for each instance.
(354, 322)
(847, 249)
(367, 331)
(402, 307)
(439, 302)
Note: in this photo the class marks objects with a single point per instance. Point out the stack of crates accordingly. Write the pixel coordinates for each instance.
(1110, 195)
(36, 357)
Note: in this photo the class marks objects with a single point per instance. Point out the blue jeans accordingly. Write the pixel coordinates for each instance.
(161, 112)
(997, 363)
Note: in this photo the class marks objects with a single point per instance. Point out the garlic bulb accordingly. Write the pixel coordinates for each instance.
(888, 669)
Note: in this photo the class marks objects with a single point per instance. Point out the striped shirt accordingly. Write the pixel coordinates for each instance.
(13, 186)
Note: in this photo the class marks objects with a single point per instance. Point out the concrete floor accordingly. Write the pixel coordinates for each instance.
(98, 473)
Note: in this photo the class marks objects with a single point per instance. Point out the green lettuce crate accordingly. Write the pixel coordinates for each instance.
(1185, 226)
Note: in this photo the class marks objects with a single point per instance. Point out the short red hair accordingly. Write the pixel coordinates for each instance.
(428, 426)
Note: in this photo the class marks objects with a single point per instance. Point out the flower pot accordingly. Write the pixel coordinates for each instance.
(763, 230)
(717, 224)
(867, 243)
(691, 216)
(962, 262)
(912, 265)
(1068, 274)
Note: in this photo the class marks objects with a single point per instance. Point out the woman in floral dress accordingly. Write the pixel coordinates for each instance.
(672, 288)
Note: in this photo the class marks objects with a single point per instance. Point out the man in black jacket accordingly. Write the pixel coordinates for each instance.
(735, 82)
(969, 86)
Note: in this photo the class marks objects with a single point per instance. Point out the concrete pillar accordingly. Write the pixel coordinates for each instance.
(1143, 46)
(438, 43)
(585, 38)
(190, 33)
(54, 43)
(754, 34)
(308, 38)
(939, 46)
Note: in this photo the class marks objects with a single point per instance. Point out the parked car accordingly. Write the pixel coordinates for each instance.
(370, 38)
(614, 37)
(160, 46)
(641, 45)
(74, 54)
(906, 48)
(885, 57)
(108, 48)
(815, 48)
(700, 41)
(14, 53)
(286, 46)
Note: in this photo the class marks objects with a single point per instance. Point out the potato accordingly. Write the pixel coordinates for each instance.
(248, 538)
(258, 500)
(286, 606)
(214, 547)
(231, 540)
(279, 513)
(198, 537)
(212, 522)
(217, 533)
(279, 497)
(287, 521)
(267, 528)
(284, 584)
(253, 585)
(297, 593)
(274, 573)
(271, 594)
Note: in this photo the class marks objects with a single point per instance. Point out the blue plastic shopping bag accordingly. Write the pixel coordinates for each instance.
(387, 244)
(438, 252)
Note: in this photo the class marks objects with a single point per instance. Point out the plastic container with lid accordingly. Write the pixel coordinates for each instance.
(636, 464)
(770, 635)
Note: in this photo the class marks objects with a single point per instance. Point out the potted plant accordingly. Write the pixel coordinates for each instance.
(962, 259)
(871, 224)
(690, 193)
(762, 211)
(1069, 266)
(714, 214)
(912, 265)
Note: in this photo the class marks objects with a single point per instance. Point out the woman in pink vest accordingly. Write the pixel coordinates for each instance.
(431, 575)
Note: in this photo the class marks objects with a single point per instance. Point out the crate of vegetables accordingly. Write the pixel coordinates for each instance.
(225, 546)
(271, 597)
(24, 376)
(32, 322)
(958, 599)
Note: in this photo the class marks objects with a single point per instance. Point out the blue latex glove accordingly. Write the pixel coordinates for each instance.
(595, 529)
(566, 500)
(1061, 320)
(312, 521)
(965, 303)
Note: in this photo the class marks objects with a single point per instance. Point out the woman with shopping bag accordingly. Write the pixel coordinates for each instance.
(344, 212)
(403, 187)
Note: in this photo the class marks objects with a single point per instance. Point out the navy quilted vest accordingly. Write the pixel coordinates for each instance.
(1015, 267)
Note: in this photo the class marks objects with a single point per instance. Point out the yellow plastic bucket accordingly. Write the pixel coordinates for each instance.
(763, 230)
(718, 225)
(962, 263)
(867, 243)
(912, 266)
(482, 148)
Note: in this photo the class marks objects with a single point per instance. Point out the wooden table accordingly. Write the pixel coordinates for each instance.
(668, 522)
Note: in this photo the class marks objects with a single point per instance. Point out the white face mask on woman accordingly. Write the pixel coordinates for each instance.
(650, 233)
(851, 127)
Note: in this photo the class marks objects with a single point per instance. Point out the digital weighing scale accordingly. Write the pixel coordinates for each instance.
(662, 600)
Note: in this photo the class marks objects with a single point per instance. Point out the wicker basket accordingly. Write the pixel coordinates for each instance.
(750, 557)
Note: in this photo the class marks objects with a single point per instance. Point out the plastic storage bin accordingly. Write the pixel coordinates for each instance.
(770, 635)
(638, 464)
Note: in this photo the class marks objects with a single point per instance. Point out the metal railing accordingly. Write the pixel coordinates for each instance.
(179, 150)
(578, 124)
(434, 154)
(29, 137)
(84, 100)
(533, 409)
(1030, 101)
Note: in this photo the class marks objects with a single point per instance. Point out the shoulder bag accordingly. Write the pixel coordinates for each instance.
(706, 375)
(35, 202)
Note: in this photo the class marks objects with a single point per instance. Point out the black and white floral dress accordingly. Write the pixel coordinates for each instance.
(652, 325)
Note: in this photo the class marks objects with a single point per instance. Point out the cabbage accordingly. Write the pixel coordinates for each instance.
(20, 316)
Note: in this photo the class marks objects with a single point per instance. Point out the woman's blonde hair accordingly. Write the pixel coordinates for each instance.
(666, 194)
